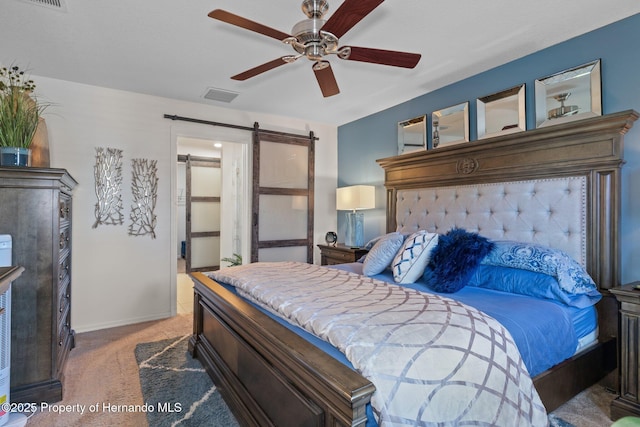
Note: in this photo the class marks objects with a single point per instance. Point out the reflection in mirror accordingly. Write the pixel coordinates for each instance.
(502, 113)
(412, 135)
(569, 95)
(450, 125)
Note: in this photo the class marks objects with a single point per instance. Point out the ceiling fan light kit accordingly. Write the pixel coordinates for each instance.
(316, 38)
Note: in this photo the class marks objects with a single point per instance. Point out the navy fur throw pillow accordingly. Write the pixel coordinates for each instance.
(455, 259)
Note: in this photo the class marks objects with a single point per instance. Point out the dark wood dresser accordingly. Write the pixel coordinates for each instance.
(35, 209)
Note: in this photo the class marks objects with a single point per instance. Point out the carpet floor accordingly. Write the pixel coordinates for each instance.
(102, 370)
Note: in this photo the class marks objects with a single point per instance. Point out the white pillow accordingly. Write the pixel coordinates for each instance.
(382, 253)
(413, 257)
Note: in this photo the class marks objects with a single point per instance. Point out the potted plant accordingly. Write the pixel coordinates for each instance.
(234, 260)
(19, 116)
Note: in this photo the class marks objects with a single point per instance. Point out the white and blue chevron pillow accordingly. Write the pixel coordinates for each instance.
(412, 258)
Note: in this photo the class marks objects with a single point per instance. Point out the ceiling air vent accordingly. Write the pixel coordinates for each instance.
(220, 95)
(60, 5)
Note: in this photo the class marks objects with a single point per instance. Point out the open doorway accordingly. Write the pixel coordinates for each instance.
(198, 213)
(230, 235)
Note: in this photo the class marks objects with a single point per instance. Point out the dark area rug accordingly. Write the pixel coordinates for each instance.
(176, 389)
(555, 421)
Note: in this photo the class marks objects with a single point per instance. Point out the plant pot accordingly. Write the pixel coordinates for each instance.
(15, 156)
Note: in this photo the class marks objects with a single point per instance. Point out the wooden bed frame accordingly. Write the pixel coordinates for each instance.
(268, 375)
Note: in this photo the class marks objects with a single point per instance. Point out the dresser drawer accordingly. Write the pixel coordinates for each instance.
(64, 341)
(64, 300)
(340, 257)
(340, 254)
(65, 240)
(64, 268)
(65, 209)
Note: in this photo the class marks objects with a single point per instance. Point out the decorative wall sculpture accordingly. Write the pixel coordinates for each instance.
(144, 189)
(108, 176)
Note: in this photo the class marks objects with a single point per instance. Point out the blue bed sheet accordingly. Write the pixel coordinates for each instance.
(545, 331)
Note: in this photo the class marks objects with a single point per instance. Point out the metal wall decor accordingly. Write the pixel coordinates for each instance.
(108, 180)
(144, 188)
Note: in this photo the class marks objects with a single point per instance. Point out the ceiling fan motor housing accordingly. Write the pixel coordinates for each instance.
(308, 30)
(315, 8)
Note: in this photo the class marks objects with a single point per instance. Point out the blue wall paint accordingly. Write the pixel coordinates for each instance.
(363, 141)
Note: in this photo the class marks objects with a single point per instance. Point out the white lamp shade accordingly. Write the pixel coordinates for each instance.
(356, 197)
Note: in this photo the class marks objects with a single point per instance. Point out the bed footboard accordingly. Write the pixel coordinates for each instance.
(267, 374)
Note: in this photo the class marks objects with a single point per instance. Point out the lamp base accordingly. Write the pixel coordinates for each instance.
(355, 230)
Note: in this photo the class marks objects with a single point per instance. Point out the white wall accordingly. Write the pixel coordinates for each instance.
(120, 279)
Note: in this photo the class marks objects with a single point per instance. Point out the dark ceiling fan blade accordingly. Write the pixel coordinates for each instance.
(259, 69)
(380, 56)
(349, 14)
(239, 21)
(326, 79)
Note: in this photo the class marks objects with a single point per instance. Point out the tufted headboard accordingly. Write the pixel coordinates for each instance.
(551, 211)
(557, 185)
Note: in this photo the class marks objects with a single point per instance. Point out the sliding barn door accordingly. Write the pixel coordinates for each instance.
(283, 174)
(203, 182)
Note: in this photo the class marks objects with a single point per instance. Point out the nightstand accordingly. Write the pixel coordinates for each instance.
(628, 403)
(340, 254)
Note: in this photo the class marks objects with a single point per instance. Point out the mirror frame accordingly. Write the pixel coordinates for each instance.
(484, 112)
(404, 141)
(437, 134)
(549, 88)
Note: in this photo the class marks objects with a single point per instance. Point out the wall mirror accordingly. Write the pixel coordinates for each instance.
(502, 113)
(570, 95)
(412, 135)
(450, 125)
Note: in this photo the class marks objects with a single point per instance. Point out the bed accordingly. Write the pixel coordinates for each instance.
(270, 375)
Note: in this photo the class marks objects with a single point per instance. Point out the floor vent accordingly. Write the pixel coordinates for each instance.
(220, 95)
(60, 5)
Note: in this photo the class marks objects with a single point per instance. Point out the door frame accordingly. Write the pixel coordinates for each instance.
(237, 143)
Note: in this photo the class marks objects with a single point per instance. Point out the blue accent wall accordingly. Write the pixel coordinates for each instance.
(363, 141)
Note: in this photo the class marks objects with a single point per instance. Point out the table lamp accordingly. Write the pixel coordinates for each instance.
(353, 199)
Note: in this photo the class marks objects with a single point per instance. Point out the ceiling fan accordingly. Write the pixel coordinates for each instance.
(316, 38)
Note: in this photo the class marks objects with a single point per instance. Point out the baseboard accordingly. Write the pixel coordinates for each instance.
(121, 322)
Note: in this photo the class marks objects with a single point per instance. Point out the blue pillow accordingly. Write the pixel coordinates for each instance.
(530, 283)
(455, 259)
(571, 276)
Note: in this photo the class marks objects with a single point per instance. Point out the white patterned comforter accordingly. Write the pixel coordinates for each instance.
(433, 360)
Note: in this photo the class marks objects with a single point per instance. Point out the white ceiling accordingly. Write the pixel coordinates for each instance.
(172, 49)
